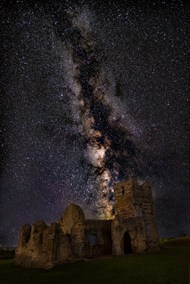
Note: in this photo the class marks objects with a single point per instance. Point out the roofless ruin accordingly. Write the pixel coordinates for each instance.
(133, 230)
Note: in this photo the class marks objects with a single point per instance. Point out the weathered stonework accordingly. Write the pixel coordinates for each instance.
(133, 230)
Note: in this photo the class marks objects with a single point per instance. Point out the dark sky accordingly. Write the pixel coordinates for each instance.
(145, 49)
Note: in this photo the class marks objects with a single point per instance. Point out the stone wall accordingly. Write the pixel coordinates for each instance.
(43, 246)
(73, 224)
(134, 227)
(149, 217)
(74, 238)
(126, 203)
(98, 238)
(135, 200)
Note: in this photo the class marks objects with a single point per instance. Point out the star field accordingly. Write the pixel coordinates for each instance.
(43, 161)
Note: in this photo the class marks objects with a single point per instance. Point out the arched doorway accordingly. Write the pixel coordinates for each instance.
(127, 243)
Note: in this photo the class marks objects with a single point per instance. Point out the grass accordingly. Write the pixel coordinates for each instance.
(7, 254)
(180, 241)
(170, 266)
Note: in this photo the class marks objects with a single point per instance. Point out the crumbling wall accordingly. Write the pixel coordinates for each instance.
(149, 217)
(74, 238)
(98, 239)
(73, 224)
(135, 200)
(134, 226)
(127, 198)
(45, 247)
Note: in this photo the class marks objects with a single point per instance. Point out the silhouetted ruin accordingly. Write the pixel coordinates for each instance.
(133, 230)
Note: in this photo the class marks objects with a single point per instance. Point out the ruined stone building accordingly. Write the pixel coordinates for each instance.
(133, 230)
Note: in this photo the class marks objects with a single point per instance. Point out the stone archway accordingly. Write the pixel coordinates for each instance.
(127, 243)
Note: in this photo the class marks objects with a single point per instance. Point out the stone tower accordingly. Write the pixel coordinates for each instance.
(135, 200)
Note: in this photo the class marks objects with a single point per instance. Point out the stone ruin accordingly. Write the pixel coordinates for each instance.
(73, 238)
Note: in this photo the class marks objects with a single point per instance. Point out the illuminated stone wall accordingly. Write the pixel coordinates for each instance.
(134, 200)
(133, 230)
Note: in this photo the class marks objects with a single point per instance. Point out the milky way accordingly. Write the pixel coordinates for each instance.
(91, 94)
(108, 148)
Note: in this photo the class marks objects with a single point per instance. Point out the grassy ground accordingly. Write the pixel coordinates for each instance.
(170, 266)
(180, 241)
(7, 254)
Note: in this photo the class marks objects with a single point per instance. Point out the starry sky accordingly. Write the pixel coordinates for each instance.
(144, 47)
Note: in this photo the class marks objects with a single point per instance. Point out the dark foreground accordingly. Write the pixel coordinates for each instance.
(171, 265)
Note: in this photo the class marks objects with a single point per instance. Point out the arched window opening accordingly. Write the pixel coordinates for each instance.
(92, 239)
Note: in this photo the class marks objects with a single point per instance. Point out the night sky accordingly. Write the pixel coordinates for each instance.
(60, 136)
